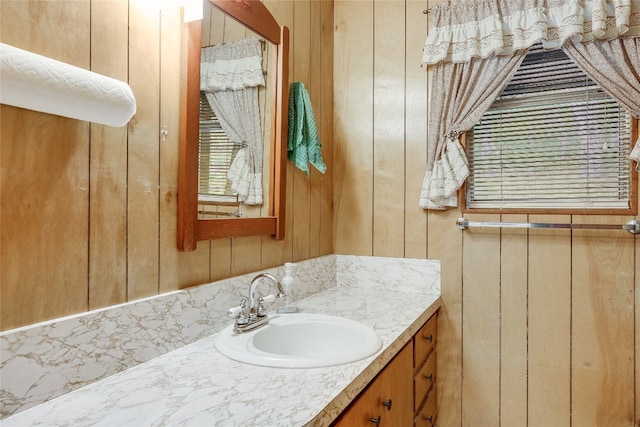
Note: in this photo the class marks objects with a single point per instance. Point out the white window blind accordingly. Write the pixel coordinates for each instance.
(215, 156)
(553, 139)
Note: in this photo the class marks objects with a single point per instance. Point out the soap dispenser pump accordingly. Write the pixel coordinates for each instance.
(287, 283)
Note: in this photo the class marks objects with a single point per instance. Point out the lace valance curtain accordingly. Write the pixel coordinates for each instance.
(465, 29)
(475, 46)
(230, 75)
(231, 66)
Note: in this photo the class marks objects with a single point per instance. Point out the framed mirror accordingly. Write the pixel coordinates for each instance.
(193, 222)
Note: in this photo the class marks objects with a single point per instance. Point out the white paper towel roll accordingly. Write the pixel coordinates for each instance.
(35, 82)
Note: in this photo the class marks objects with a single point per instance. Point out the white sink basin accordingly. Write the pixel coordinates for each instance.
(301, 340)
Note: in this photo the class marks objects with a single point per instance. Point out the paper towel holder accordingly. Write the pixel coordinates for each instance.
(254, 15)
(39, 83)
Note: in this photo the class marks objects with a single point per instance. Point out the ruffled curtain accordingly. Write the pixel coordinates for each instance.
(230, 75)
(231, 66)
(615, 66)
(460, 95)
(475, 46)
(462, 30)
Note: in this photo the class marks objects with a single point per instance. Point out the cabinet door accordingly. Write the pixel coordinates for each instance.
(398, 386)
(388, 401)
(364, 411)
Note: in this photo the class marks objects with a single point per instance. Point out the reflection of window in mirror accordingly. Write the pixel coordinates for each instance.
(215, 156)
(232, 138)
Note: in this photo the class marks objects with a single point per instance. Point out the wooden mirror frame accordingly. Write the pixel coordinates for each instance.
(255, 16)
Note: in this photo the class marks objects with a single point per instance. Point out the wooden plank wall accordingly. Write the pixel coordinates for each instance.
(539, 327)
(88, 213)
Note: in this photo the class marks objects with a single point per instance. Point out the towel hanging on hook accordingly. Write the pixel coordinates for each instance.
(303, 145)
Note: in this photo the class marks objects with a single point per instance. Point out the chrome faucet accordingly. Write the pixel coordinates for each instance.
(250, 314)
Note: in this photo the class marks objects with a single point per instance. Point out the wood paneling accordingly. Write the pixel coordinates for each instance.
(143, 151)
(388, 125)
(549, 331)
(513, 320)
(325, 120)
(45, 177)
(415, 133)
(301, 58)
(445, 244)
(88, 212)
(315, 89)
(481, 325)
(108, 163)
(353, 127)
(602, 320)
(37, 284)
(537, 327)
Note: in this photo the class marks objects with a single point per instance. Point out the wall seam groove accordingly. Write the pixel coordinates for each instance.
(90, 131)
(159, 124)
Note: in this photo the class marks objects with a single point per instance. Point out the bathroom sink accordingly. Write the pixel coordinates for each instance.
(300, 340)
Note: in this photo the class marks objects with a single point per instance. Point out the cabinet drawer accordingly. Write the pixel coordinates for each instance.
(424, 342)
(423, 380)
(427, 415)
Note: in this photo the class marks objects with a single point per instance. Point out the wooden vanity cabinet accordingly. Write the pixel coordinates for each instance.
(404, 392)
(387, 401)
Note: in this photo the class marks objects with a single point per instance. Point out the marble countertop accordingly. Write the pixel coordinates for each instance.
(195, 385)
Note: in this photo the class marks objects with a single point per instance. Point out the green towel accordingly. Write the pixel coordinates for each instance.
(303, 145)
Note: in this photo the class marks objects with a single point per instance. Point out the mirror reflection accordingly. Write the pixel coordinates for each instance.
(235, 132)
(213, 217)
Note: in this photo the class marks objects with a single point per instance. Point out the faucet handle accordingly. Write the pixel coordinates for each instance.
(234, 312)
(239, 312)
(261, 301)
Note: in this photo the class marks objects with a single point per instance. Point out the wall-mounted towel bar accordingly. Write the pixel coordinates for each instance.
(236, 214)
(632, 226)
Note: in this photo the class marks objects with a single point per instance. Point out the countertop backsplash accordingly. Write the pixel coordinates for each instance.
(46, 360)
